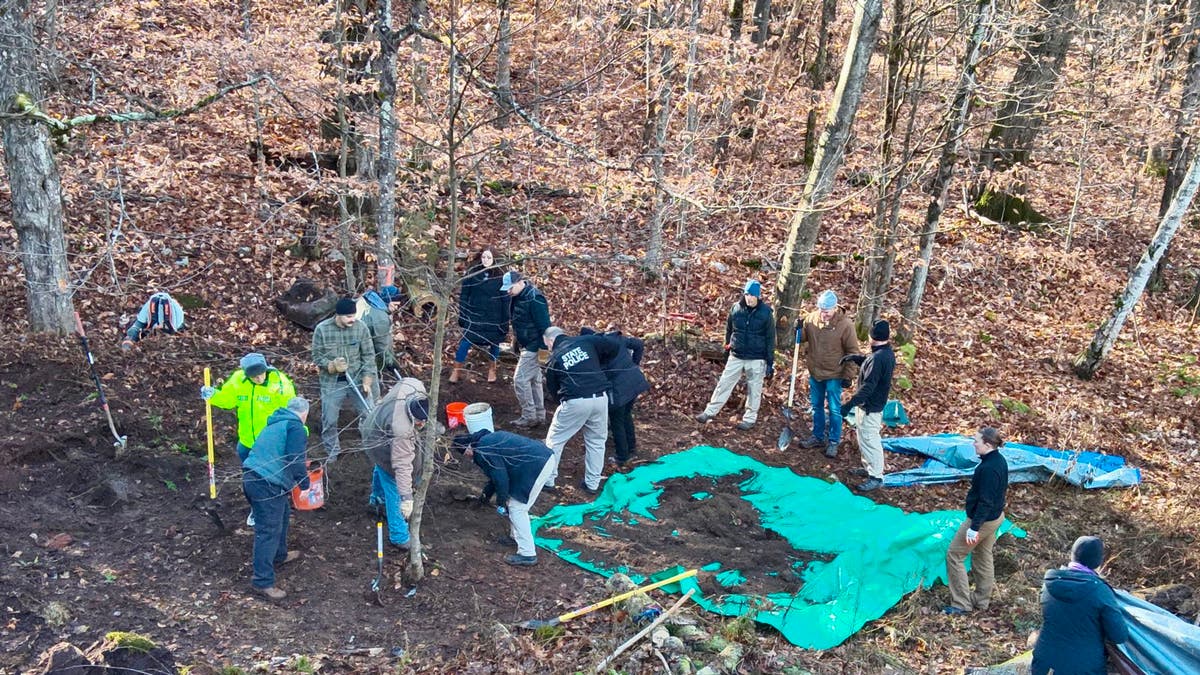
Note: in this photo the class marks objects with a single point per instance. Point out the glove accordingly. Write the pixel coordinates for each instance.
(972, 536)
(339, 365)
(406, 508)
(366, 384)
(855, 358)
(126, 344)
(206, 393)
(502, 511)
(846, 383)
(770, 370)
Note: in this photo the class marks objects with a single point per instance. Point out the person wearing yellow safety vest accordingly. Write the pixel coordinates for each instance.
(256, 390)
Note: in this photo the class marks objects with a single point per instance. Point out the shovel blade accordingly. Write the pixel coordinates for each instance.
(785, 438)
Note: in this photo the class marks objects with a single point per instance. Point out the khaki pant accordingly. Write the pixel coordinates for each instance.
(983, 569)
(870, 445)
(591, 415)
(528, 383)
(755, 369)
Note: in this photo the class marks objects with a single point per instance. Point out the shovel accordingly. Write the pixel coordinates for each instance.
(358, 392)
(785, 434)
(540, 623)
(377, 584)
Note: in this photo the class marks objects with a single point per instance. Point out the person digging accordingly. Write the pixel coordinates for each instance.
(392, 441)
(517, 468)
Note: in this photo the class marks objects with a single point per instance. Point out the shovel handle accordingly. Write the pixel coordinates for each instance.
(379, 540)
(792, 386)
(212, 476)
(628, 594)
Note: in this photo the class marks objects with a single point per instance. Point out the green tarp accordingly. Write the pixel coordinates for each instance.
(878, 553)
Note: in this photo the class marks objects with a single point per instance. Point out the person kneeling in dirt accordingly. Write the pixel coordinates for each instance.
(160, 313)
(276, 463)
(1079, 614)
(392, 440)
(517, 468)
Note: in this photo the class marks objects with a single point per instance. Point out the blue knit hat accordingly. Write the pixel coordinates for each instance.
(753, 288)
(253, 364)
(827, 300)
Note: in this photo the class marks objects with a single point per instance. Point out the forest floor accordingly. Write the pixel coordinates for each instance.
(93, 543)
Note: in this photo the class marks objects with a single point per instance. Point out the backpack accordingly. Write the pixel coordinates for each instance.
(160, 314)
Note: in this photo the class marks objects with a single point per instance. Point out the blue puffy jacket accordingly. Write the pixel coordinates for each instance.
(750, 331)
(1079, 614)
(278, 455)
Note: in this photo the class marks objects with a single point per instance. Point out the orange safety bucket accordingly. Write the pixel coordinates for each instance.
(454, 414)
(314, 497)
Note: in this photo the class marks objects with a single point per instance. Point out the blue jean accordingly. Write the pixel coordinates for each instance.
(464, 346)
(820, 392)
(272, 508)
(383, 490)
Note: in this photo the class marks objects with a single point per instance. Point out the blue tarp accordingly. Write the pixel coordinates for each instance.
(952, 458)
(1160, 643)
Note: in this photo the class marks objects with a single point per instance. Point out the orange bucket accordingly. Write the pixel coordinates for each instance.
(314, 497)
(454, 414)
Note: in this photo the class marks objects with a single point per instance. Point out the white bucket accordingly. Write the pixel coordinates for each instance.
(478, 416)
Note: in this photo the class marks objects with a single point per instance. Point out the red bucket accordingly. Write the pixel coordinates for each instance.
(454, 414)
(314, 497)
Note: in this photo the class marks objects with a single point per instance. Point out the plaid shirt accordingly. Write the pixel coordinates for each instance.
(353, 343)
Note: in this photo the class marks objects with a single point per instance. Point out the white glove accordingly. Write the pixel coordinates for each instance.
(972, 536)
(406, 508)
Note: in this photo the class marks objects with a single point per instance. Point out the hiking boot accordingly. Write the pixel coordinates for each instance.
(523, 423)
(831, 450)
(702, 418)
(951, 610)
(402, 547)
(506, 541)
(271, 592)
(518, 560)
(859, 472)
(591, 491)
(744, 426)
(812, 442)
(292, 556)
(250, 519)
(870, 484)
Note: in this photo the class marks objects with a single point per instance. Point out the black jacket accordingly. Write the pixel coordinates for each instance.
(530, 318)
(989, 483)
(750, 331)
(1079, 614)
(577, 366)
(483, 309)
(512, 464)
(874, 380)
(624, 372)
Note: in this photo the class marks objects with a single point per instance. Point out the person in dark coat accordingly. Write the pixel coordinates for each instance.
(750, 345)
(483, 313)
(530, 319)
(865, 407)
(977, 534)
(628, 382)
(1079, 614)
(276, 464)
(517, 468)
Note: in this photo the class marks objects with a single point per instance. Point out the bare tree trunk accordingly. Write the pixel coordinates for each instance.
(666, 70)
(345, 219)
(762, 22)
(1023, 109)
(906, 59)
(504, 64)
(725, 112)
(818, 76)
(955, 125)
(806, 224)
(692, 116)
(385, 222)
(37, 208)
(1182, 147)
(1102, 343)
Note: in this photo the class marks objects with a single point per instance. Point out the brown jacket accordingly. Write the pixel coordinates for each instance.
(392, 440)
(825, 345)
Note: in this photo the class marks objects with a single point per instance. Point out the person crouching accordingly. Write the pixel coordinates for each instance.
(517, 468)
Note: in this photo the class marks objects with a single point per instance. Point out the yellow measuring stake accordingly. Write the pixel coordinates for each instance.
(212, 477)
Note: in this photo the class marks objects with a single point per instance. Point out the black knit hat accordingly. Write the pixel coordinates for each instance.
(881, 331)
(346, 307)
(1088, 551)
(464, 441)
(419, 409)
